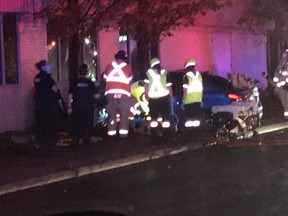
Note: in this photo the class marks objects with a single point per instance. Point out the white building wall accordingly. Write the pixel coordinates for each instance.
(219, 45)
(175, 50)
(16, 110)
(249, 54)
(22, 5)
(108, 45)
(217, 52)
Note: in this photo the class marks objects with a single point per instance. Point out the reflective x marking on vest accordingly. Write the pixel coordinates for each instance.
(156, 88)
(195, 85)
(117, 74)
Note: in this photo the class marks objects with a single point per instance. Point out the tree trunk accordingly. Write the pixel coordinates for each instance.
(142, 59)
(273, 52)
(74, 46)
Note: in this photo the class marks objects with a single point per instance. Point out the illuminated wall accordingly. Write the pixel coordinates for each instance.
(17, 105)
(217, 52)
(219, 44)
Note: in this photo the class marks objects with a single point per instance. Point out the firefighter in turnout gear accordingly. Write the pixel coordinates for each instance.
(280, 80)
(193, 93)
(118, 76)
(159, 92)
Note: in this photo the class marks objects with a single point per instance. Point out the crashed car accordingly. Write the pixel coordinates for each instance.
(218, 92)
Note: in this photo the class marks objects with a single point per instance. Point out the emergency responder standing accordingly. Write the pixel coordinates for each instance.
(118, 76)
(193, 93)
(159, 92)
(47, 101)
(82, 95)
(281, 82)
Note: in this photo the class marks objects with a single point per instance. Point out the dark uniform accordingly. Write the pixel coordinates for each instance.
(83, 103)
(46, 108)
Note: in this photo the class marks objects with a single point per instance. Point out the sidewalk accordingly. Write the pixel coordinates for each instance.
(24, 167)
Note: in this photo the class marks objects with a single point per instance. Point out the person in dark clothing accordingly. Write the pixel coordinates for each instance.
(82, 95)
(47, 97)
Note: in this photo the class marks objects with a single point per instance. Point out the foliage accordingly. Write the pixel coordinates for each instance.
(144, 20)
(260, 12)
(275, 12)
(67, 17)
(147, 20)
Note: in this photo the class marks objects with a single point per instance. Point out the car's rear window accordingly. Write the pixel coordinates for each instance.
(212, 81)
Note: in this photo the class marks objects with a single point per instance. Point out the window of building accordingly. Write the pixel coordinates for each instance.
(8, 49)
(58, 56)
(58, 53)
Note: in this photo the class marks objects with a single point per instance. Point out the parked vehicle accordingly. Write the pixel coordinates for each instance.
(216, 91)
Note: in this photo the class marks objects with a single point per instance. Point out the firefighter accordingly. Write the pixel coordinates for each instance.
(281, 82)
(193, 93)
(47, 101)
(159, 94)
(82, 98)
(118, 76)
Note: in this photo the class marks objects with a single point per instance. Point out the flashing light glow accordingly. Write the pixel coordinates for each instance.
(123, 131)
(189, 124)
(154, 124)
(53, 43)
(160, 119)
(123, 38)
(279, 85)
(166, 124)
(87, 41)
(234, 97)
(275, 79)
(196, 123)
(95, 53)
(112, 133)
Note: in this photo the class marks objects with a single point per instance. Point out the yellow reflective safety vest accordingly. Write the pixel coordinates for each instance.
(157, 83)
(194, 88)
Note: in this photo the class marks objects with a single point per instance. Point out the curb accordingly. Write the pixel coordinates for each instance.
(98, 168)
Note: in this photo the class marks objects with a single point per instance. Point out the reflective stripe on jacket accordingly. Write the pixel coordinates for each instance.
(157, 85)
(118, 77)
(194, 88)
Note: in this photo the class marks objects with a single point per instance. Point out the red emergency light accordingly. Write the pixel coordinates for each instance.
(234, 97)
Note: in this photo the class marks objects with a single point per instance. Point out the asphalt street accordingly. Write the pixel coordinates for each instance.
(248, 181)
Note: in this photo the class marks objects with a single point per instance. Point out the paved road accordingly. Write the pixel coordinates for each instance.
(248, 181)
